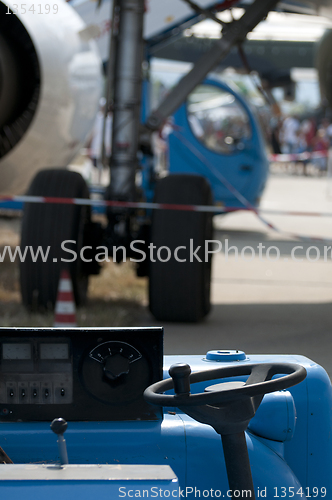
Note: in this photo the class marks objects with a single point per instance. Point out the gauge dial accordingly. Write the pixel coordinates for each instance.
(115, 373)
(103, 351)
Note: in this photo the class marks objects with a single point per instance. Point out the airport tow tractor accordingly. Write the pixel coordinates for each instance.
(140, 425)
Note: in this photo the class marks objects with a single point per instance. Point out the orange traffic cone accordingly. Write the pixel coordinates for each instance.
(65, 314)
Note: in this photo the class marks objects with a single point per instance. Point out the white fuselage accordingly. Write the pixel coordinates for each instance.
(70, 90)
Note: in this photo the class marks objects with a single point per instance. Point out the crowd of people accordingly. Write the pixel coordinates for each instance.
(295, 136)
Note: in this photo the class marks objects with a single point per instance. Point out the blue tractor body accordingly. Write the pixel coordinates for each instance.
(288, 439)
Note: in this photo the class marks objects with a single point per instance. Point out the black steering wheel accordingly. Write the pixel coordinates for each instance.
(259, 383)
(228, 407)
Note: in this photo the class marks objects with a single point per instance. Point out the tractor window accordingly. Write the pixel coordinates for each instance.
(218, 119)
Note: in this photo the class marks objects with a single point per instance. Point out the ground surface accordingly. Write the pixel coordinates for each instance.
(259, 306)
(116, 297)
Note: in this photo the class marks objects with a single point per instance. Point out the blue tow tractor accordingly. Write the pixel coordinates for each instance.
(127, 424)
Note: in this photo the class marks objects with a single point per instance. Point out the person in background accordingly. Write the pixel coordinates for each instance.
(275, 129)
(301, 147)
(309, 129)
(289, 137)
(329, 133)
(321, 144)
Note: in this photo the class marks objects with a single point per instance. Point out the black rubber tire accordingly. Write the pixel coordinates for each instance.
(49, 225)
(180, 291)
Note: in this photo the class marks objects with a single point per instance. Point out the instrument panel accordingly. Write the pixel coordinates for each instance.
(79, 374)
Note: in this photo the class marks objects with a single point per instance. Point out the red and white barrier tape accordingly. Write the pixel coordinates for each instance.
(156, 206)
(119, 204)
(286, 158)
(170, 206)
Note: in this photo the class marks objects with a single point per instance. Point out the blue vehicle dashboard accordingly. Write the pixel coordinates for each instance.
(80, 374)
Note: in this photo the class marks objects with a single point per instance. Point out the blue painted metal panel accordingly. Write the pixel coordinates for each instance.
(193, 450)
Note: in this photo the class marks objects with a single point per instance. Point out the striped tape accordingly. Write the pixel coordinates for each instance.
(158, 206)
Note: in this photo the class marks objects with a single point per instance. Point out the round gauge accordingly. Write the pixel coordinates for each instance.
(103, 351)
(115, 372)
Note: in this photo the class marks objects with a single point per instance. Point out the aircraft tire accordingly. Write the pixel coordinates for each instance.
(48, 226)
(180, 291)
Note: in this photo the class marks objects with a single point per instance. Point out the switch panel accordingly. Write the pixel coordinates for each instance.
(28, 377)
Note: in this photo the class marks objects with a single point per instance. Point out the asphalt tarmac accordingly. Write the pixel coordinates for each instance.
(269, 305)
